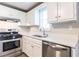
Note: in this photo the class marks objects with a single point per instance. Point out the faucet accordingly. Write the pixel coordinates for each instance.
(43, 31)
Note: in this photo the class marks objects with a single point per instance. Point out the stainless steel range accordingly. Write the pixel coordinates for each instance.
(9, 42)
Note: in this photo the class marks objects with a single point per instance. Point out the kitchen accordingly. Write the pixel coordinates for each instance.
(39, 29)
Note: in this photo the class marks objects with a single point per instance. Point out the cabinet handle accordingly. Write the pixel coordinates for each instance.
(59, 16)
(32, 46)
(56, 17)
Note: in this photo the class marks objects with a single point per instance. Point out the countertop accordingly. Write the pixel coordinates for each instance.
(64, 39)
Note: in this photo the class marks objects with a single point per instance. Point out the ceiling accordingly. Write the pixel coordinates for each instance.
(23, 6)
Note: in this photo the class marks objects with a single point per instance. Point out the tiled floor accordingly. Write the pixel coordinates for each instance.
(22, 55)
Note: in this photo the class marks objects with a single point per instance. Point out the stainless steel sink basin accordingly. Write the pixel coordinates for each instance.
(44, 36)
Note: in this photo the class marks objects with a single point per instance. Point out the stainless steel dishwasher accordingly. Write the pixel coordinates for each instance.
(55, 50)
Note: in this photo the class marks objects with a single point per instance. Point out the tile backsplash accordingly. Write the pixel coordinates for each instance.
(70, 27)
(7, 30)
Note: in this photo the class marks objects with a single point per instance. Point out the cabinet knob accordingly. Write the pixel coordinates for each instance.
(32, 46)
(56, 17)
(59, 16)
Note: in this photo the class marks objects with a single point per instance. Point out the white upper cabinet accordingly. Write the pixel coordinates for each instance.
(56, 12)
(31, 17)
(66, 11)
(61, 11)
(52, 11)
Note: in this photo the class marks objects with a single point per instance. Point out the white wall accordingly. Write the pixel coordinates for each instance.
(8, 25)
(13, 13)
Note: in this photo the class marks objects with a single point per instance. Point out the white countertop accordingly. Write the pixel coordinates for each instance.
(64, 39)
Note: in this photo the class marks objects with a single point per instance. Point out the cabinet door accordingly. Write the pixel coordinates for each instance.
(66, 11)
(31, 17)
(52, 11)
(37, 50)
(27, 48)
(24, 44)
(31, 48)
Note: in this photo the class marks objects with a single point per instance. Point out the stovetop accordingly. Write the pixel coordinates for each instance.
(9, 35)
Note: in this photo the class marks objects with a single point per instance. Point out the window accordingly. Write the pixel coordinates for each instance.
(41, 18)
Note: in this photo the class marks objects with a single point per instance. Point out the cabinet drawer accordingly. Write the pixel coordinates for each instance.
(37, 41)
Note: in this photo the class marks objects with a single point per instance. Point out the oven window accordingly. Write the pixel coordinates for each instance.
(11, 45)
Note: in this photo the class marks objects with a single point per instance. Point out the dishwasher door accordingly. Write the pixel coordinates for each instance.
(55, 50)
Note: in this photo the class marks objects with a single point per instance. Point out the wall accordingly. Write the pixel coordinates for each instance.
(13, 13)
(24, 30)
(8, 25)
(68, 28)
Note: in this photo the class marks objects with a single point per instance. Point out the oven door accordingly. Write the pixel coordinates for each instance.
(11, 45)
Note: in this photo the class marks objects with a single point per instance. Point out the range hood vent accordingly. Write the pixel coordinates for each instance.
(9, 19)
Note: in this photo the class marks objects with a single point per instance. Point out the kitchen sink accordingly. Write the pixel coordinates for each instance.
(41, 36)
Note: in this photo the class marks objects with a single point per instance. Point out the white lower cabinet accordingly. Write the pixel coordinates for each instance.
(37, 50)
(31, 48)
(26, 48)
